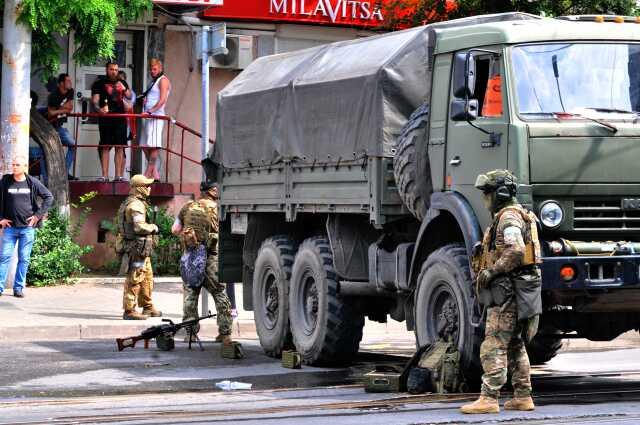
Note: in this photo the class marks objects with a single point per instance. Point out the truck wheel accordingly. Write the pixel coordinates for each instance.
(411, 165)
(544, 346)
(271, 293)
(326, 327)
(444, 306)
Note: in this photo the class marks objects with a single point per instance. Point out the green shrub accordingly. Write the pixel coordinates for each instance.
(55, 258)
(166, 257)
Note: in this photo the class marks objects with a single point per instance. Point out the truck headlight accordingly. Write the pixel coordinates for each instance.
(551, 214)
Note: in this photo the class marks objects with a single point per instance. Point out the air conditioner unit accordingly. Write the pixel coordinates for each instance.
(242, 51)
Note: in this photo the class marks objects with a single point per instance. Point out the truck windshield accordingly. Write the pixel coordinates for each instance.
(577, 77)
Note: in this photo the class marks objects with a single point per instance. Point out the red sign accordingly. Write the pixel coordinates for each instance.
(190, 2)
(353, 13)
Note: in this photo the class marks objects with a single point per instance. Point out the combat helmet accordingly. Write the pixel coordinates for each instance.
(501, 182)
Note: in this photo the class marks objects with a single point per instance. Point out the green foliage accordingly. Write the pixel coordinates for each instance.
(166, 257)
(94, 23)
(55, 258)
(410, 13)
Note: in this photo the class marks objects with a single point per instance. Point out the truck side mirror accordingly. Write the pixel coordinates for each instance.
(464, 75)
(464, 110)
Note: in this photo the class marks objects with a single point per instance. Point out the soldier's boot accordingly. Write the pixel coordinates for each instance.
(134, 315)
(219, 338)
(225, 339)
(152, 312)
(481, 405)
(519, 403)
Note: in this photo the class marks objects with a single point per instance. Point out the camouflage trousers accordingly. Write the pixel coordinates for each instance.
(138, 287)
(503, 351)
(217, 291)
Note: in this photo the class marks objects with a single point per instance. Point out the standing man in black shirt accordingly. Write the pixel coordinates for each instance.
(59, 104)
(20, 214)
(108, 94)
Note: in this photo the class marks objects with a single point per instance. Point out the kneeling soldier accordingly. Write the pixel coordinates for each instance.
(506, 264)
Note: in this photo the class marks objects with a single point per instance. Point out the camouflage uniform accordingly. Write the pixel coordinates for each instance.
(503, 347)
(202, 217)
(510, 250)
(136, 239)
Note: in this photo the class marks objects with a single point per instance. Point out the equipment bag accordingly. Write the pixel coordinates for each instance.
(193, 266)
(528, 291)
(442, 359)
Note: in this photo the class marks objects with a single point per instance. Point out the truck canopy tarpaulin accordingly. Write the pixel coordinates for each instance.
(336, 102)
(324, 103)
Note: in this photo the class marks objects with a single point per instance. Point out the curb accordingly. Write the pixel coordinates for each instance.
(245, 330)
(116, 280)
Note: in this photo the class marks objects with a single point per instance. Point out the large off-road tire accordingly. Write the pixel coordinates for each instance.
(411, 164)
(271, 293)
(326, 327)
(544, 346)
(444, 306)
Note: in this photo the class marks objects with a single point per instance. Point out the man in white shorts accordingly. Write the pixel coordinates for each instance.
(155, 99)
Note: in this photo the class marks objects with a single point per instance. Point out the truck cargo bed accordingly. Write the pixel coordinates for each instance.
(363, 186)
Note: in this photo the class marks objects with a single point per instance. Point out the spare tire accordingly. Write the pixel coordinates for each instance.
(411, 164)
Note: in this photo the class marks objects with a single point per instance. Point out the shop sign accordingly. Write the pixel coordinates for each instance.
(190, 2)
(354, 13)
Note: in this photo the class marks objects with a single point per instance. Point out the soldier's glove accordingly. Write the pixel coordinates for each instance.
(485, 277)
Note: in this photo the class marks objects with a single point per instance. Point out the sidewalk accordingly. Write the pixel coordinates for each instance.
(92, 309)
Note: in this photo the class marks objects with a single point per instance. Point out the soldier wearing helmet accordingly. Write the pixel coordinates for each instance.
(134, 243)
(197, 225)
(508, 284)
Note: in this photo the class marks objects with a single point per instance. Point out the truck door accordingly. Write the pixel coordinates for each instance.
(470, 151)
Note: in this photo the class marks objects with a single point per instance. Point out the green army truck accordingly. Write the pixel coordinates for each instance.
(347, 174)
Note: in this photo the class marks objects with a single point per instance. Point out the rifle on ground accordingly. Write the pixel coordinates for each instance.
(163, 334)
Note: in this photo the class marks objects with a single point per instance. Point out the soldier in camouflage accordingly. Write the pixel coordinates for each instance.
(197, 223)
(135, 242)
(510, 251)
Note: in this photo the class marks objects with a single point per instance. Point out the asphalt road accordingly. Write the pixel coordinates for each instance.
(91, 382)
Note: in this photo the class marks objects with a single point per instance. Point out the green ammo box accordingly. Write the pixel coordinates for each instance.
(291, 359)
(232, 351)
(384, 379)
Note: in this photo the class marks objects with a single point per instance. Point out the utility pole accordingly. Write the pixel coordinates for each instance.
(213, 41)
(204, 142)
(15, 103)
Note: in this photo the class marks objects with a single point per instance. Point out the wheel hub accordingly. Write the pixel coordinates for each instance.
(271, 303)
(443, 316)
(310, 299)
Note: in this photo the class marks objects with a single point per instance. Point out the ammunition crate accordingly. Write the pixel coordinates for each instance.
(232, 351)
(385, 379)
(291, 360)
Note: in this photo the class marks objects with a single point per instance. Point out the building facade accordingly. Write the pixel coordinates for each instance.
(255, 28)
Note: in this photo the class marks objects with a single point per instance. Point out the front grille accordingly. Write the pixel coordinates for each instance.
(604, 215)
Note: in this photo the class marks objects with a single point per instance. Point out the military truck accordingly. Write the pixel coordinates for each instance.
(347, 174)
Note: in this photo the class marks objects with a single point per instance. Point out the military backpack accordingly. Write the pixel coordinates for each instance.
(200, 224)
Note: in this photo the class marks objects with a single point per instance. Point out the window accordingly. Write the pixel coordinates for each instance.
(488, 88)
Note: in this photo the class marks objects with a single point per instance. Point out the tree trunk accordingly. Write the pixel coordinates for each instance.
(54, 156)
(16, 74)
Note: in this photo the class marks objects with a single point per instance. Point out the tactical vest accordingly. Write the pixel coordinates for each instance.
(202, 218)
(489, 252)
(125, 229)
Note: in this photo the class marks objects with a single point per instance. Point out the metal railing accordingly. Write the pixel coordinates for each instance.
(172, 124)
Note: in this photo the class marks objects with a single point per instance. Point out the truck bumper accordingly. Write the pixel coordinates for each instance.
(592, 272)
